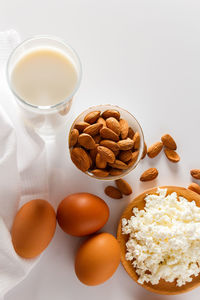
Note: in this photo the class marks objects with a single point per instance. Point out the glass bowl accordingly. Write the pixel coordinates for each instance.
(133, 123)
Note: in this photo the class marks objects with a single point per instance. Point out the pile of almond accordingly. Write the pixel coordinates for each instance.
(104, 144)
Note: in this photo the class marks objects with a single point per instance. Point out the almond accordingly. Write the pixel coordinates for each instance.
(97, 138)
(149, 174)
(116, 152)
(100, 173)
(123, 128)
(130, 133)
(101, 121)
(93, 129)
(172, 155)
(106, 154)
(92, 116)
(91, 161)
(125, 155)
(73, 137)
(113, 124)
(144, 151)
(123, 186)
(100, 162)
(107, 133)
(195, 173)
(115, 172)
(93, 153)
(109, 144)
(194, 187)
(168, 142)
(111, 113)
(113, 192)
(136, 140)
(86, 141)
(80, 158)
(126, 144)
(81, 126)
(118, 164)
(154, 149)
(134, 158)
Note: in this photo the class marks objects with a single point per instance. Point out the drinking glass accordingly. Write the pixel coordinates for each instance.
(44, 119)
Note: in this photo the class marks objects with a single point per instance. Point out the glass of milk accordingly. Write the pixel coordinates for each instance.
(44, 73)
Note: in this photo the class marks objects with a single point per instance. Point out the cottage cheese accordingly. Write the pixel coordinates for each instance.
(164, 239)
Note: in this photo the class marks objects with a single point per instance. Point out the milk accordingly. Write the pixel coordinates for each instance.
(44, 77)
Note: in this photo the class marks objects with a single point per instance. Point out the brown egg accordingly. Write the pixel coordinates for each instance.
(33, 228)
(97, 259)
(82, 214)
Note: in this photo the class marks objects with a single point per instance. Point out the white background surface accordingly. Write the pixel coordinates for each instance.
(145, 57)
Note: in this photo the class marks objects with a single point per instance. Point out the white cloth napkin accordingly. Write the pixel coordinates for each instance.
(23, 171)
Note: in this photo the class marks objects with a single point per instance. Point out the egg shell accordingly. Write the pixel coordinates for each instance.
(82, 214)
(33, 228)
(97, 259)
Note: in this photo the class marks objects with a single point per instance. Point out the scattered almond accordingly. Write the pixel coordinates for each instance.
(130, 133)
(123, 186)
(113, 124)
(115, 172)
(136, 140)
(149, 174)
(126, 144)
(100, 173)
(110, 144)
(92, 116)
(106, 154)
(81, 126)
(123, 128)
(86, 141)
(125, 155)
(113, 192)
(172, 155)
(195, 173)
(168, 142)
(80, 158)
(73, 137)
(111, 113)
(194, 187)
(144, 151)
(93, 129)
(154, 149)
(101, 121)
(100, 162)
(107, 133)
(118, 164)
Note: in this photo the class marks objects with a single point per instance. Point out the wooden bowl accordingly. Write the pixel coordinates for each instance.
(163, 287)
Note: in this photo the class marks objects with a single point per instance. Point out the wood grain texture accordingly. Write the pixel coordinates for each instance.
(165, 288)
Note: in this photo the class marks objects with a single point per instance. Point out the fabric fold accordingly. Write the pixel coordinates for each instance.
(23, 171)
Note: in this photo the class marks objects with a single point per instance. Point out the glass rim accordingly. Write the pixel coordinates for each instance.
(44, 107)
